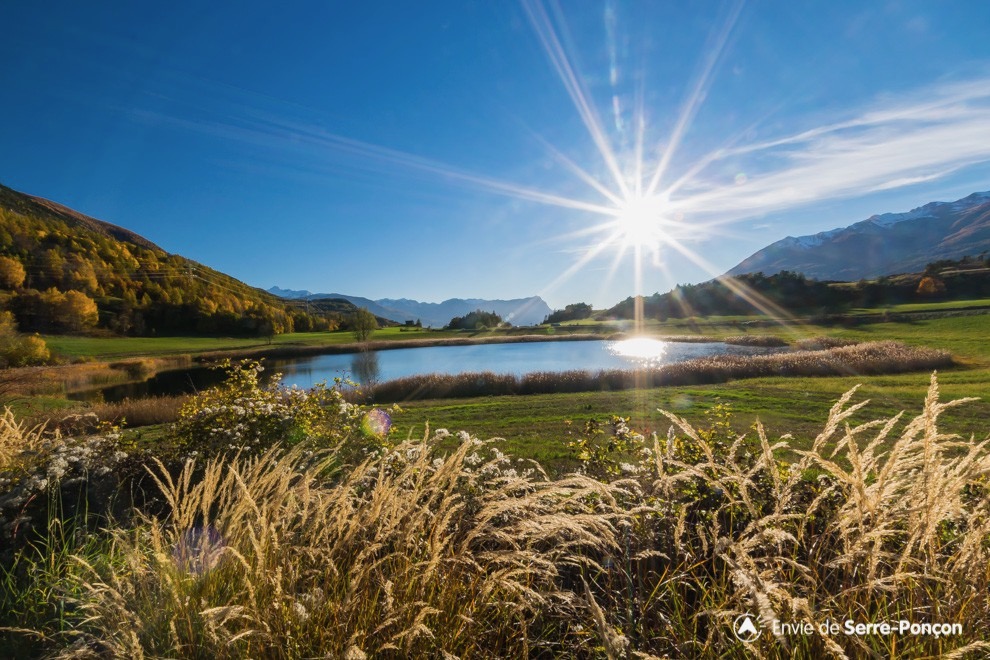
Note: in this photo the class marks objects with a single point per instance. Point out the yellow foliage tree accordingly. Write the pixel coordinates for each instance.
(930, 286)
(72, 310)
(17, 350)
(11, 273)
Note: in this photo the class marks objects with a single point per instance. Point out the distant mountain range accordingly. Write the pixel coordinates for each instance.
(885, 244)
(520, 311)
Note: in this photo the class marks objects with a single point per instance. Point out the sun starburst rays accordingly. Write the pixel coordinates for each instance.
(640, 198)
(638, 217)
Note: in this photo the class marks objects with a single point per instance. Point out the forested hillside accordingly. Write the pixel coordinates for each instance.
(964, 279)
(61, 271)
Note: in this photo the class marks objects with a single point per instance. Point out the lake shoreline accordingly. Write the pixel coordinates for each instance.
(73, 379)
(290, 351)
(293, 350)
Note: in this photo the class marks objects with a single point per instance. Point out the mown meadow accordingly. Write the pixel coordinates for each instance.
(785, 404)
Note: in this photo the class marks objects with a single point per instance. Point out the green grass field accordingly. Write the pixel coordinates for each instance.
(932, 307)
(539, 426)
(111, 348)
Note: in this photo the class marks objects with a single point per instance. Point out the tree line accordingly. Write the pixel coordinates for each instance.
(476, 320)
(572, 312)
(963, 279)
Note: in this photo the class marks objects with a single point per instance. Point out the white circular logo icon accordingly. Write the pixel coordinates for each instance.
(745, 628)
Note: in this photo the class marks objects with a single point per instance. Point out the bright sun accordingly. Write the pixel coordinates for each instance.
(640, 222)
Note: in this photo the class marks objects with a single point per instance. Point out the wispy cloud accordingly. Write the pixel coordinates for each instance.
(898, 143)
(894, 143)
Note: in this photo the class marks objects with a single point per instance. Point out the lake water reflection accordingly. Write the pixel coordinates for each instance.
(380, 366)
(516, 359)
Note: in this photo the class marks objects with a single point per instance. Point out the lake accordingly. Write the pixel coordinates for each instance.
(379, 366)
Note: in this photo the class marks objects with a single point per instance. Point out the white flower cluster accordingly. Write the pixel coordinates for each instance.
(61, 461)
(243, 414)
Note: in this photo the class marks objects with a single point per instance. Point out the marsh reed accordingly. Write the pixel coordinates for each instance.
(840, 359)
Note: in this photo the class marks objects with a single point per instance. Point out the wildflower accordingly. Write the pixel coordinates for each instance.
(300, 610)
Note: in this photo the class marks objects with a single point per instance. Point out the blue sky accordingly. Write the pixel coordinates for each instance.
(581, 151)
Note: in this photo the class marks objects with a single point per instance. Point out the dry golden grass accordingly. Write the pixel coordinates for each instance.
(404, 555)
(140, 412)
(892, 528)
(16, 437)
(293, 554)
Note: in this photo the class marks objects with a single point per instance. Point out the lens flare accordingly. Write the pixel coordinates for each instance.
(376, 423)
(198, 550)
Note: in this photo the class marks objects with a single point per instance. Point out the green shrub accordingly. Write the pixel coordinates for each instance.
(18, 350)
(243, 414)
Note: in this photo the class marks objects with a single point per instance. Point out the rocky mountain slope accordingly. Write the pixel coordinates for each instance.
(882, 244)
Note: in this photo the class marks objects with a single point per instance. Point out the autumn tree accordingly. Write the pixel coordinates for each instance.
(17, 350)
(11, 273)
(138, 288)
(362, 323)
(930, 286)
(74, 310)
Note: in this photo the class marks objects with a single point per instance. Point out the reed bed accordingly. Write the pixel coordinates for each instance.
(653, 550)
(64, 378)
(768, 341)
(868, 358)
(140, 412)
(822, 343)
(129, 413)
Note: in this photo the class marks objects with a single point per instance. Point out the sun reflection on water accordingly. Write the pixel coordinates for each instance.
(644, 351)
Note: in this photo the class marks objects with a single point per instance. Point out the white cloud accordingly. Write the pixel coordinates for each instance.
(900, 143)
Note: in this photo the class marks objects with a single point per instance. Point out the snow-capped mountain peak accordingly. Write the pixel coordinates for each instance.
(883, 244)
